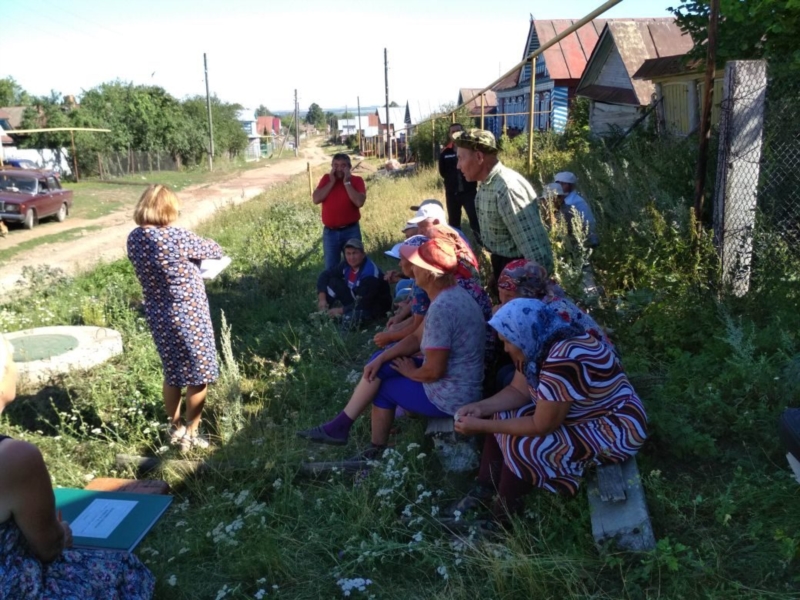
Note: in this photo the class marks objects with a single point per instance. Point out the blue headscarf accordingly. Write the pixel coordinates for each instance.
(534, 326)
(415, 241)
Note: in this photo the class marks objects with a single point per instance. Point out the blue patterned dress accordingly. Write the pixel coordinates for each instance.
(75, 575)
(175, 303)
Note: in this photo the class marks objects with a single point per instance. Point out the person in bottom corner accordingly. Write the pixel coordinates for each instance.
(570, 405)
(355, 288)
(37, 561)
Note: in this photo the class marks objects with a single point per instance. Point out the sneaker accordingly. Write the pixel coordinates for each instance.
(319, 435)
(196, 442)
(176, 434)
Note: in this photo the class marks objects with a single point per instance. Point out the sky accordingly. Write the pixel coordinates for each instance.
(260, 51)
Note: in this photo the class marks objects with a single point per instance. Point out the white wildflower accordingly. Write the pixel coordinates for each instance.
(172, 580)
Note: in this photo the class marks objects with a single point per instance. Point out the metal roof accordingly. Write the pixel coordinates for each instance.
(669, 66)
(635, 41)
(474, 105)
(567, 59)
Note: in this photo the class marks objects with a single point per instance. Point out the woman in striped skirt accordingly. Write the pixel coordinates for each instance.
(569, 405)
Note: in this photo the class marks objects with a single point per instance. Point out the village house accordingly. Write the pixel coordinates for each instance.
(476, 109)
(679, 89)
(617, 100)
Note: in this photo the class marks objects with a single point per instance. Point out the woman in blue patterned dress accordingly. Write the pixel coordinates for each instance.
(569, 405)
(166, 262)
(36, 562)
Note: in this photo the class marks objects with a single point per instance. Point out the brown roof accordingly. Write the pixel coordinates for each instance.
(636, 41)
(667, 66)
(474, 105)
(567, 59)
(13, 114)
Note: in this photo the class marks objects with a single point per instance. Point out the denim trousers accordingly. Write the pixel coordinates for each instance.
(333, 241)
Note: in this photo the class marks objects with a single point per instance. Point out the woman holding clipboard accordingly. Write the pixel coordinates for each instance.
(36, 559)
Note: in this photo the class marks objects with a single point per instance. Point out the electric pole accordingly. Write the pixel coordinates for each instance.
(296, 124)
(358, 102)
(388, 124)
(210, 124)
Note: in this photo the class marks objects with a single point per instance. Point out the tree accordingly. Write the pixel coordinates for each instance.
(263, 111)
(12, 94)
(315, 116)
(346, 115)
(754, 29)
(393, 104)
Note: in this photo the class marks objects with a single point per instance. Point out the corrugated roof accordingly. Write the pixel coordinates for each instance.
(635, 40)
(14, 115)
(474, 105)
(567, 59)
(667, 66)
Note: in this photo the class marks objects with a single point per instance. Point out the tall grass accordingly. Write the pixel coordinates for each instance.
(713, 372)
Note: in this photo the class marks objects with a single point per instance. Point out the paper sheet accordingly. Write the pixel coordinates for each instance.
(211, 267)
(101, 518)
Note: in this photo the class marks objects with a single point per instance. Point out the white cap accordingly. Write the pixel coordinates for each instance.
(395, 251)
(566, 177)
(553, 189)
(429, 211)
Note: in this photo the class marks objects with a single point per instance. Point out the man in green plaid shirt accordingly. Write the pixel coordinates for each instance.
(508, 212)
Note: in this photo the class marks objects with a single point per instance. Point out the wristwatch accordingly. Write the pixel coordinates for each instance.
(347, 183)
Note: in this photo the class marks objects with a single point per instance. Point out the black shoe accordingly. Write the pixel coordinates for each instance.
(320, 436)
(373, 452)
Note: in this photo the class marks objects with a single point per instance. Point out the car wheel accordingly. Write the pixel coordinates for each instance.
(30, 219)
(62, 213)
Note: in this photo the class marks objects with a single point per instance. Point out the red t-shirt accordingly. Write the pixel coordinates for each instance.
(337, 209)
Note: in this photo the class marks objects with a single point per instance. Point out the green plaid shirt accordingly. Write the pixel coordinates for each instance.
(508, 213)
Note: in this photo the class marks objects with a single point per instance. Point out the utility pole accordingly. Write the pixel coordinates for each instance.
(705, 116)
(388, 125)
(210, 124)
(296, 124)
(358, 102)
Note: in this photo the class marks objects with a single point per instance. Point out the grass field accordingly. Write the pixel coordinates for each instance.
(714, 373)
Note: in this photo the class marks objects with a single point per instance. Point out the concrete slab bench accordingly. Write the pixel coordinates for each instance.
(618, 507)
(456, 453)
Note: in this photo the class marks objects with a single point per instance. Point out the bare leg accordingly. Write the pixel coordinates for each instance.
(382, 419)
(362, 397)
(195, 400)
(172, 403)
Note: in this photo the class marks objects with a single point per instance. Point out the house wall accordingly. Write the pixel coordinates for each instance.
(560, 110)
(606, 118)
(676, 107)
(613, 73)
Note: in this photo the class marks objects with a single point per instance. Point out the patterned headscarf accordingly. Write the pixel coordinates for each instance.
(534, 326)
(467, 261)
(415, 241)
(527, 279)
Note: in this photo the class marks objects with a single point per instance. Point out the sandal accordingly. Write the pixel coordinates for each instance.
(197, 441)
(176, 434)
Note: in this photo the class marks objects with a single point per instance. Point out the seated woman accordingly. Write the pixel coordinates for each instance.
(449, 374)
(569, 405)
(356, 284)
(527, 279)
(36, 561)
(409, 317)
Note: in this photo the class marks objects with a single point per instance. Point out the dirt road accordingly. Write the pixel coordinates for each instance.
(198, 203)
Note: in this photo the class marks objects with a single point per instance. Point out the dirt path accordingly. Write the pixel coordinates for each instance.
(198, 203)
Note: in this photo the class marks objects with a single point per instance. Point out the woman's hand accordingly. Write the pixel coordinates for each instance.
(382, 339)
(404, 365)
(371, 368)
(473, 409)
(469, 425)
(393, 276)
(67, 534)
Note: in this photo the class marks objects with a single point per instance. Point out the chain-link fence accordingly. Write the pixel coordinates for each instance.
(758, 184)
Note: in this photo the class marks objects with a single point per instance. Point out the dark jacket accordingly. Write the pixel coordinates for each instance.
(370, 295)
(454, 182)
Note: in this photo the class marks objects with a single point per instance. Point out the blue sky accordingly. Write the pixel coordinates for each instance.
(259, 51)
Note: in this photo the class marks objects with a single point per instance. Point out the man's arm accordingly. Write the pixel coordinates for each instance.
(356, 191)
(441, 165)
(520, 213)
(323, 189)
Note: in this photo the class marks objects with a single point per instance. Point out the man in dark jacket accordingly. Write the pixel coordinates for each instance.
(458, 191)
(356, 285)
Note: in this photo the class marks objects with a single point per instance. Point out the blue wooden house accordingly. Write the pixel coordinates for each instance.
(558, 71)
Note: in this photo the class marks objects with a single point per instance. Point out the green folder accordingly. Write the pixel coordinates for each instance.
(109, 520)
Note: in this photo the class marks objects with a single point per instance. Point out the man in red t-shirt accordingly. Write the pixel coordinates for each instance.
(341, 195)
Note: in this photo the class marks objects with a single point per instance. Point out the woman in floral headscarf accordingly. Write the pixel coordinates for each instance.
(569, 405)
